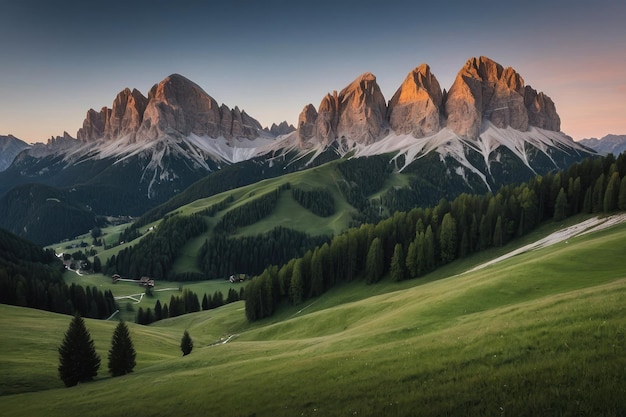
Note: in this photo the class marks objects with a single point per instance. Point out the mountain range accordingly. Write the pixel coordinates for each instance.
(10, 147)
(488, 129)
(615, 144)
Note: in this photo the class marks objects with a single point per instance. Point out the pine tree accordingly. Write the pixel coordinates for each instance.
(122, 353)
(611, 194)
(398, 267)
(296, 287)
(78, 360)
(497, 233)
(186, 344)
(429, 250)
(411, 259)
(560, 206)
(447, 240)
(374, 264)
(621, 199)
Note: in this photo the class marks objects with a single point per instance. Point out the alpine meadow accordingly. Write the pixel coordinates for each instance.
(445, 252)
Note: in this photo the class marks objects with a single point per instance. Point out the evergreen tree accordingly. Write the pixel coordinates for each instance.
(560, 206)
(317, 274)
(429, 250)
(158, 311)
(374, 263)
(186, 344)
(122, 353)
(411, 259)
(398, 268)
(97, 264)
(296, 287)
(621, 199)
(611, 195)
(447, 239)
(78, 360)
(497, 233)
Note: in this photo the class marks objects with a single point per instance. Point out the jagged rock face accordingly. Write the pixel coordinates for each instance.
(362, 111)
(327, 119)
(484, 90)
(541, 110)
(93, 125)
(357, 113)
(415, 107)
(283, 128)
(126, 115)
(306, 124)
(175, 106)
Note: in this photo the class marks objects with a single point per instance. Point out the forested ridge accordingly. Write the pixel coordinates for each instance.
(250, 212)
(33, 277)
(155, 253)
(410, 244)
(318, 201)
(221, 256)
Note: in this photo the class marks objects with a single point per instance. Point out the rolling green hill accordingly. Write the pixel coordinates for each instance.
(541, 333)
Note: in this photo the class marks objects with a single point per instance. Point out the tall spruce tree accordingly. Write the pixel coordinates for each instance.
(374, 263)
(398, 267)
(560, 206)
(621, 199)
(186, 344)
(122, 353)
(447, 239)
(78, 360)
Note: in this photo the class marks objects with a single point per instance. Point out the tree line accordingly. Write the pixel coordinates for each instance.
(188, 302)
(221, 256)
(318, 201)
(33, 277)
(411, 244)
(250, 212)
(154, 255)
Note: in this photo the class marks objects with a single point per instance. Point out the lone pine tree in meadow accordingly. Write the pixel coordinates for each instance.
(122, 353)
(186, 344)
(78, 360)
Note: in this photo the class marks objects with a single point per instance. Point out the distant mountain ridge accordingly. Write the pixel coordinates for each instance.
(10, 147)
(488, 128)
(615, 144)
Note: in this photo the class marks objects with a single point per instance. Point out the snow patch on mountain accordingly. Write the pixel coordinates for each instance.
(448, 144)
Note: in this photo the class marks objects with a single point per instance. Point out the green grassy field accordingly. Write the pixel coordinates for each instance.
(542, 333)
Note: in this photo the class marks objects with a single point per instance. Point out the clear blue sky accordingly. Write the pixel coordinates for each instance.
(58, 58)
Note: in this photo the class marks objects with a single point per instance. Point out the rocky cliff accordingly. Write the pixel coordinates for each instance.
(357, 113)
(415, 108)
(483, 91)
(174, 107)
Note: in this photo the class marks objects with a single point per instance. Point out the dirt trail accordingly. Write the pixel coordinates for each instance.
(591, 225)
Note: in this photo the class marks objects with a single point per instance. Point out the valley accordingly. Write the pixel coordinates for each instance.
(539, 332)
(446, 252)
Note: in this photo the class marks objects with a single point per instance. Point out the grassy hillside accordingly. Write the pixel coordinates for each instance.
(542, 333)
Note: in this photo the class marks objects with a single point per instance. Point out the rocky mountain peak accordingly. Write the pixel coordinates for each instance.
(282, 128)
(10, 147)
(361, 114)
(415, 107)
(484, 90)
(307, 125)
(175, 106)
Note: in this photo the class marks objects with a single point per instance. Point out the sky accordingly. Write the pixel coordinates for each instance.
(270, 58)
